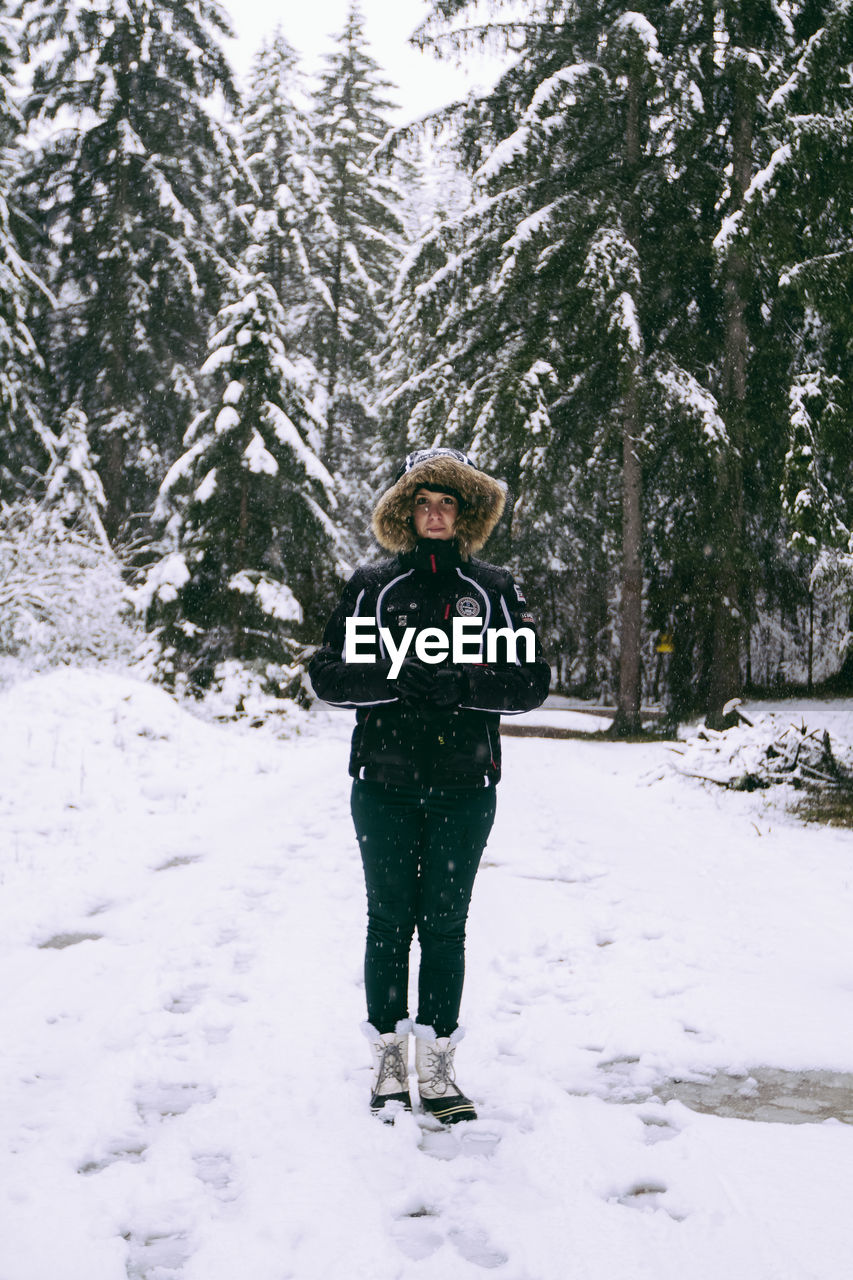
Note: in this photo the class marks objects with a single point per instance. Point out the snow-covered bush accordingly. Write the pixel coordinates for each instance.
(833, 573)
(241, 690)
(61, 591)
(781, 639)
(255, 691)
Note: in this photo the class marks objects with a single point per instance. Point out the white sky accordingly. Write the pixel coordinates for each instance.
(424, 82)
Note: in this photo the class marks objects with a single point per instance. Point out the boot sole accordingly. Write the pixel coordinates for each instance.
(380, 1102)
(449, 1111)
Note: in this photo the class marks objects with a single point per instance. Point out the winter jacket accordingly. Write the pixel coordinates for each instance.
(399, 743)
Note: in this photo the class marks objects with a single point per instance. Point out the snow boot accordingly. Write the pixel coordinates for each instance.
(390, 1066)
(440, 1095)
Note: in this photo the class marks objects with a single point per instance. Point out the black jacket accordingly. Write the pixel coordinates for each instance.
(398, 743)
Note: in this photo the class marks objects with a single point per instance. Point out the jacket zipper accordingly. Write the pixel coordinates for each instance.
(491, 749)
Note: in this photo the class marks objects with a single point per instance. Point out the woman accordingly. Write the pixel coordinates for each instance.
(426, 751)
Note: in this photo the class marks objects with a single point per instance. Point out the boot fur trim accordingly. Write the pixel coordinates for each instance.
(423, 1032)
(482, 497)
(403, 1028)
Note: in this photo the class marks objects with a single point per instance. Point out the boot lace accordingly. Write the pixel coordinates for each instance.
(440, 1066)
(392, 1066)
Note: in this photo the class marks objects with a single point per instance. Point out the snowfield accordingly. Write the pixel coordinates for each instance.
(184, 1082)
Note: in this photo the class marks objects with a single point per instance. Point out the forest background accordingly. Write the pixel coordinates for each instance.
(620, 278)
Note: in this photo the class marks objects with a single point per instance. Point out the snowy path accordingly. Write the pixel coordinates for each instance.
(184, 1081)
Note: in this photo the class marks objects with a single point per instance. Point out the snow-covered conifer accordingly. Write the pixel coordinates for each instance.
(73, 488)
(614, 243)
(280, 150)
(530, 324)
(250, 558)
(26, 442)
(811, 172)
(735, 57)
(127, 179)
(802, 215)
(360, 239)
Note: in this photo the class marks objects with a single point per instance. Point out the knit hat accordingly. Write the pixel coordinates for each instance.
(481, 500)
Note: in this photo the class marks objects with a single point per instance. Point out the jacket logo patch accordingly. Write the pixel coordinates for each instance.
(519, 593)
(468, 607)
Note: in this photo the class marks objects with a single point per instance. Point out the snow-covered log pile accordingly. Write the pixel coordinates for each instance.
(750, 756)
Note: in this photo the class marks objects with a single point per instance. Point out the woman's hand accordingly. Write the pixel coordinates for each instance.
(420, 685)
(448, 688)
(414, 682)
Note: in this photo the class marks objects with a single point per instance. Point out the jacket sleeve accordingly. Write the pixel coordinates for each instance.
(348, 684)
(510, 687)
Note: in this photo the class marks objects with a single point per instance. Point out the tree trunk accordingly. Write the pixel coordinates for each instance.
(594, 618)
(114, 450)
(112, 474)
(240, 562)
(332, 454)
(627, 718)
(630, 629)
(727, 619)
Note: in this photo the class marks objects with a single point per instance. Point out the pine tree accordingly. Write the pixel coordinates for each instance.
(250, 546)
(739, 331)
(129, 187)
(360, 239)
(280, 149)
(811, 173)
(542, 329)
(750, 46)
(73, 489)
(26, 442)
(654, 302)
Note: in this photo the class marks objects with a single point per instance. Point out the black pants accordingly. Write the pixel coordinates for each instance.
(420, 847)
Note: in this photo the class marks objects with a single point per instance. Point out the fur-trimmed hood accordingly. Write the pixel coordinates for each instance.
(482, 504)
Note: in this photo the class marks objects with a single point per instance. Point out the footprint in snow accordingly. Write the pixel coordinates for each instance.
(216, 1171)
(647, 1197)
(99, 909)
(642, 1195)
(474, 1246)
(218, 1034)
(417, 1235)
(185, 1001)
(446, 1143)
(658, 1129)
(243, 961)
(160, 1101)
(117, 1155)
(156, 1257)
(62, 940)
(179, 860)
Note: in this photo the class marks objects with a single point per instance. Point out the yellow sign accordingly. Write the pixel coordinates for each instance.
(665, 645)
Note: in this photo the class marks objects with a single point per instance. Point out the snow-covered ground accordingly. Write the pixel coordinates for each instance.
(184, 1082)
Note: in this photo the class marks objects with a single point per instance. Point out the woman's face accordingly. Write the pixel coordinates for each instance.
(435, 514)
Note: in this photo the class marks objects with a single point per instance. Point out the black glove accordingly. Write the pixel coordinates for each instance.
(414, 681)
(449, 687)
